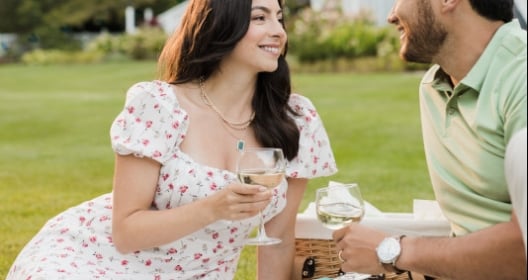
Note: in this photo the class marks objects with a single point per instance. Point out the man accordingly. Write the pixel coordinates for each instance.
(472, 100)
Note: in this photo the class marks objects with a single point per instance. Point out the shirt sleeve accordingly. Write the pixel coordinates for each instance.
(315, 157)
(149, 123)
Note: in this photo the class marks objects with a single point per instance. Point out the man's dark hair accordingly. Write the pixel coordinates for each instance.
(494, 9)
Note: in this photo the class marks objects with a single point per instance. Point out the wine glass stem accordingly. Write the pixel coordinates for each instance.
(262, 230)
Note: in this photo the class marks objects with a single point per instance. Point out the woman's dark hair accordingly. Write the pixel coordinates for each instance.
(210, 30)
(494, 9)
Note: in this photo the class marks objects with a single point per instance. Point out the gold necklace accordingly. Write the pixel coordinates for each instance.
(240, 143)
(234, 125)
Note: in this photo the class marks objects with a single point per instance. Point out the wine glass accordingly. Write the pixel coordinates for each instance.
(265, 167)
(337, 206)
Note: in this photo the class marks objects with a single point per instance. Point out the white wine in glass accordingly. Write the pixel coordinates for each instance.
(265, 167)
(337, 206)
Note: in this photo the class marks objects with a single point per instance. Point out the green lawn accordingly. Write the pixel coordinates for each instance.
(55, 150)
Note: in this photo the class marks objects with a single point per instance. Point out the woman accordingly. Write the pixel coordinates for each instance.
(177, 210)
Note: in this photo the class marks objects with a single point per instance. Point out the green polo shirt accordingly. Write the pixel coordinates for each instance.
(466, 130)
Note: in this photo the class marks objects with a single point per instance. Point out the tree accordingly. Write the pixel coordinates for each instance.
(26, 16)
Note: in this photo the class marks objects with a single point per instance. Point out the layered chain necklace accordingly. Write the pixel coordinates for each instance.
(240, 126)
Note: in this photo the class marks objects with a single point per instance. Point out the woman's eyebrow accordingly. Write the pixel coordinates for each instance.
(264, 9)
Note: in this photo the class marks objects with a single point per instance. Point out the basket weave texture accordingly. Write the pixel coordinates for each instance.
(327, 263)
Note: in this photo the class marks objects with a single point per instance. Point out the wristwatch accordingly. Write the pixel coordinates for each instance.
(388, 252)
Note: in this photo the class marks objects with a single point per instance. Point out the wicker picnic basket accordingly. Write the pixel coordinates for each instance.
(317, 258)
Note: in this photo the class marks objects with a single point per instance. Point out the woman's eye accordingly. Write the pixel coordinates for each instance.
(259, 18)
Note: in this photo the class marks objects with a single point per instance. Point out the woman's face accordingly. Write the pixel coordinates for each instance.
(265, 39)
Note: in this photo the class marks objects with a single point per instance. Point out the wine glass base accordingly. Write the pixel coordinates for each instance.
(263, 241)
(353, 276)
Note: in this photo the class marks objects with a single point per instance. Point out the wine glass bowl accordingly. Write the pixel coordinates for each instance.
(265, 167)
(338, 206)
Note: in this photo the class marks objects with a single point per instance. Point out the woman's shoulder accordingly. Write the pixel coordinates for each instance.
(302, 105)
(155, 89)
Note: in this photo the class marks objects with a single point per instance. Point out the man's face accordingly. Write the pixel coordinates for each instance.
(422, 35)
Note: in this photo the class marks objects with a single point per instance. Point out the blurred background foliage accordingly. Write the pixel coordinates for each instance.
(79, 31)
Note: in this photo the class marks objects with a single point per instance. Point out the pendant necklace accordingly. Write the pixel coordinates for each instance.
(241, 126)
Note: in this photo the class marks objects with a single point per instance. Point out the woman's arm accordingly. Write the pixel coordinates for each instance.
(276, 261)
(136, 226)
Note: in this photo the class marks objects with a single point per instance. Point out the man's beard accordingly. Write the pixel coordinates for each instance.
(426, 36)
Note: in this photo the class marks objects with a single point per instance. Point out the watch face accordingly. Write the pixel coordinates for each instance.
(388, 250)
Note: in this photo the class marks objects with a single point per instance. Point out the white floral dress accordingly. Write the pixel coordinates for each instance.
(77, 243)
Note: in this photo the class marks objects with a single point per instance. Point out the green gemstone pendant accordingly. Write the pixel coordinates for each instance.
(240, 145)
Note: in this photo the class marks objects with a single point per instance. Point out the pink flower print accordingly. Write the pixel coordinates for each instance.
(231, 240)
(165, 176)
(219, 245)
(197, 256)
(175, 125)
(157, 277)
(74, 265)
(61, 270)
(148, 124)
(220, 262)
(168, 135)
(294, 174)
(171, 186)
(145, 142)
(183, 189)
(206, 260)
(98, 256)
(124, 262)
(82, 219)
(103, 218)
(215, 235)
(84, 244)
(60, 240)
(138, 120)
(156, 106)
(148, 262)
(64, 230)
(233, 230)
(210, 174)
(93, 239)
(110, 240)
(326, 165)
(131, 109)
(178, 268)
(315, 159)
(313, 112)
(213, 187)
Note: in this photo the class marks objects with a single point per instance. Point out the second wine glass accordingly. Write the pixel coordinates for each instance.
(337, 206)
(265, 167)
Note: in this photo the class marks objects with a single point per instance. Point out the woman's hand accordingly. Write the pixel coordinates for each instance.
(240, 201)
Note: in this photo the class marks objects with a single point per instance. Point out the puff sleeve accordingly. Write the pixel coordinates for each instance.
(315, 157)
(150, 124)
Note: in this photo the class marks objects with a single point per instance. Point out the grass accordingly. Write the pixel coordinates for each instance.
(55, 147)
